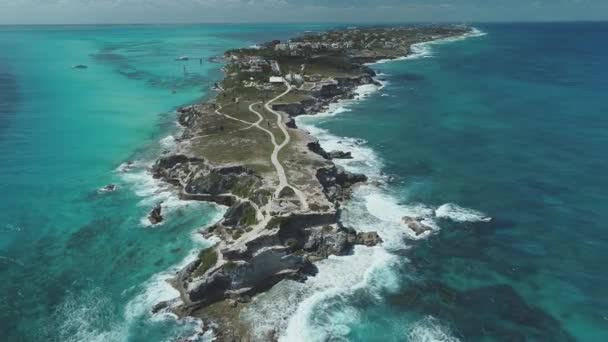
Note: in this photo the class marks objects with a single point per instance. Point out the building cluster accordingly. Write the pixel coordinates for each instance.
(292, 78)
(251, 63)
(296, 46)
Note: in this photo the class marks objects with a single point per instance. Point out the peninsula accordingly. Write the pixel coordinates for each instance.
(242, 149)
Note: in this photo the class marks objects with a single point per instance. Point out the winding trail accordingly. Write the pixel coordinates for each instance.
(274, 157)
(284, 183)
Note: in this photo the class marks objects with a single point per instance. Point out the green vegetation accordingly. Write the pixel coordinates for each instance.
(292, 244)
(276, 222)
(333, 66)
(237, 234)
(230, 266)
(207, 258)
(244, 187)
(261, 197)
(249, 217)
(287, 192)
(317, 207)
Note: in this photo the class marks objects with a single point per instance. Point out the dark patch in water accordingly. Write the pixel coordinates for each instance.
(85, 235)
(109, 57)
(134, 74)
(495, 312)
(129, 45)
(410, 77)
(9, 96)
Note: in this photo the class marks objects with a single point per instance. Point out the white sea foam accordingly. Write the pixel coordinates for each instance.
(424, 50)
(10, 228)
(430, 329)
(153, 191)
(157, 288)
(456, 213)
(168, 142)
(288, 306)
(372, 209)
(86, 317)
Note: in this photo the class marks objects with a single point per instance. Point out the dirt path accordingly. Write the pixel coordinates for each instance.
(274, 157)
(284, 183)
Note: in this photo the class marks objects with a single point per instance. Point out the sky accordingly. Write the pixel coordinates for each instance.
(236, 11)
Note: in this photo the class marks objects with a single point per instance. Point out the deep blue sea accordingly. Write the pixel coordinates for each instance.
(509, 124)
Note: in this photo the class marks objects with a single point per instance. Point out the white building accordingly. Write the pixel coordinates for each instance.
(276, 79)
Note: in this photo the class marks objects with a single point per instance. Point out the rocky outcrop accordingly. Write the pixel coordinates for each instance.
(330, 91)
(284, 249)
(261, 270)
(417, 225)
(238, 180)
(186, 116)
(340, 155)
(291, 123)
(108, 188)
(316, 148)
(240, 215)
(173, 168)
(155, 216)
(292, 109)
(327, 240)
(368, 239)
(201, 181)
(337, 182)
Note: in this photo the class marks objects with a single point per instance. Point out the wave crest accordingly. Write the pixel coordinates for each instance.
(430, 330)
(456, 213)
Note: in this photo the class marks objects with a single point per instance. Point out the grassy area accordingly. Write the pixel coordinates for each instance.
(207, 258)
(250, 147)
(295, 96)
(300, 166)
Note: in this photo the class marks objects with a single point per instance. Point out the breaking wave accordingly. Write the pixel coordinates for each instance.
(430, 329)
(459, 214)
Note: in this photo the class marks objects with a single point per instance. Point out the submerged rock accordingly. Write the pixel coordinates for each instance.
(126, 167)
(417, 225)
(155, 216)
(109, 188)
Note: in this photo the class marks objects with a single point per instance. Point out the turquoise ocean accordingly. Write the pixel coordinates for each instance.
(509, 124)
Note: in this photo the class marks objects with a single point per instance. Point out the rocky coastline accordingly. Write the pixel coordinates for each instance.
(273, 229)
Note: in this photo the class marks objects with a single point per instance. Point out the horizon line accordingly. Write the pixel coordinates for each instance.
(315, 23)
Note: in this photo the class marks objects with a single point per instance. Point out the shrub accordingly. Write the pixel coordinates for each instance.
(207, 259)
(237, 234)
(230, 266)
(292, 244)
